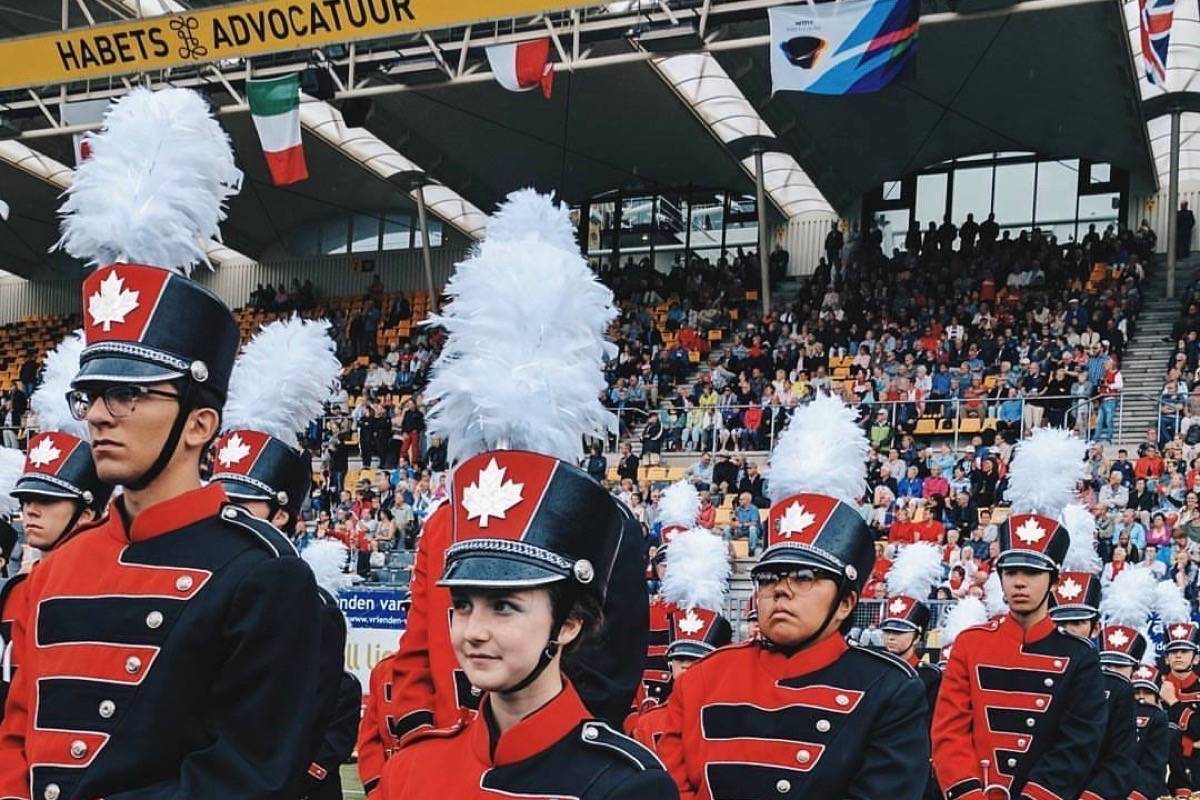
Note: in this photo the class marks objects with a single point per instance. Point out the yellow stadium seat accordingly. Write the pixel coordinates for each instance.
(925, 427)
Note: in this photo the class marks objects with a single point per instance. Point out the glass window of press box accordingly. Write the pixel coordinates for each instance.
(1023, 190)
(361, 233)
(665, 229)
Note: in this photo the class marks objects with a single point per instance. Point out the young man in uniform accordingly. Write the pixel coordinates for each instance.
(799, 713)
(1180, 692)
(1153, 736)
(177, 642)
(1021, 711)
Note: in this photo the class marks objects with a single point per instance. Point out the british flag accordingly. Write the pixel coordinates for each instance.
(1156, 18)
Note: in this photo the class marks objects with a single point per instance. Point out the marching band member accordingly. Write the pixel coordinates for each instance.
(677, 510)
(798, 712)
(1153, 735)
(1021, 711)
(177, 643)
(534, 541)
(1180, 688)
(695, 586)
(504, 381)
(281, 381)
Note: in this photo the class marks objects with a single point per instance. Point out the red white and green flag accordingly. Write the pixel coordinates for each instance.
(275, 107)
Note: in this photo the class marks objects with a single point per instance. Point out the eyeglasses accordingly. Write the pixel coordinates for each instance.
(799, 580)
(120, 400)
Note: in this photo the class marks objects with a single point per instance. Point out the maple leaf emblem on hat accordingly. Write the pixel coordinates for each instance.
(233, 451)
(1070, 589)
(1179, 632)
(1030, 532)
(44, 453)
(795, 520)
(112, 303)
(1144, 673)
(898, 606)
(491, 495)
(1118, 638)
(691, 624)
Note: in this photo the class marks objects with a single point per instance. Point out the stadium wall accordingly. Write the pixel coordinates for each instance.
(804, 239)
(332, 275)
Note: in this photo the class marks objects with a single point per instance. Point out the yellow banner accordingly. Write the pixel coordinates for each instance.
(238, 29)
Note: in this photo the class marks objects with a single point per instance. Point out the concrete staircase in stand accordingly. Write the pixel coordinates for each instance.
(1145, 359)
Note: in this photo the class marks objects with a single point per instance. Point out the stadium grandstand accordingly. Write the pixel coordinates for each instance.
(999, 241)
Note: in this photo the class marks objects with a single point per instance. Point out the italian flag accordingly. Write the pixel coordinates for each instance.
(275, 107)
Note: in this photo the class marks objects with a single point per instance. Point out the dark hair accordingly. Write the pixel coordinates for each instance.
(567, 601)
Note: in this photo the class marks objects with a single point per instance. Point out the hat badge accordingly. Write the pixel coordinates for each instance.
(1118, 638)
(1030, 532)
(233, 452)
(584, 573)
(898, 606)
(691, 624)
(1070, 589)
(492, 495)
(112, 302)
(44, 453)
(1144, 673)
(1179, 632)
(795, 520)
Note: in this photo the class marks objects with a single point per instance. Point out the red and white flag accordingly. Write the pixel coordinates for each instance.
(523, 66)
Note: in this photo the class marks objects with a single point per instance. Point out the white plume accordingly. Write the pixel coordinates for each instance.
(523, 364)
(679, 504)
(1149, 656)
(1170, 603)
(965, 613)
(697, 570)
(1081, 555)
(12, 466)
(282, 379)
(49, 401)
(916, 570)
(1044, 470)
(327, 560)
(154, 188)
(1130, 598)
(822, 450)
(993, 595)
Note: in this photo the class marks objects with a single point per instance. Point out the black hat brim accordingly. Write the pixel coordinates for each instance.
(1147, 685)
(239, 490)
(1117, 659)
(1171, 647)
(792, 556)
(1025, 559)
(489, 570)
(1073, 614)
(120, 369)
(688, 649)
(898, 626)
(38, 488)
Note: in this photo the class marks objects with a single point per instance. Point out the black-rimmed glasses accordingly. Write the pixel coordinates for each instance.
(120, 399)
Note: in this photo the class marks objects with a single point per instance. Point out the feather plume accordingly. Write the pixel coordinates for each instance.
(1081, 555)
(154, 189)
(993, 595)
(49, 401)
(523, 363)
(282, 379)
(1170, 603)
(12, 466)
(697, 570)
(823, 451)
(678, 505)
(916, 570)
(1044, 471)
(965, 613)
(327, 560)
(1149, 655)
(1130, 598)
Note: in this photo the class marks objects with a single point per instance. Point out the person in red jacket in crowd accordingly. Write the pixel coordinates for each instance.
(1021, 709)
(695, 586)
(489, 392)
(535, 539)
(798, 712)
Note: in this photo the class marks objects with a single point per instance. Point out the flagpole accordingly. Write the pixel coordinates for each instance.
(414, 182)
(760, 204)
(1173, 203)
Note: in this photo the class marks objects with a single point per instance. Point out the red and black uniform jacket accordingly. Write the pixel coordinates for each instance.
(655, 686)
(323, 779)
(1153, 744)
(556, 752)
(1185, 714)
(1115, 772)
(177, 656)
(647, 727)
(377, 737)
(1030, 703)
(827, 721)
(931, 679)
(431, 690)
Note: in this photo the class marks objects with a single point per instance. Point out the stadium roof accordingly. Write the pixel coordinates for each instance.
(627, 113)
